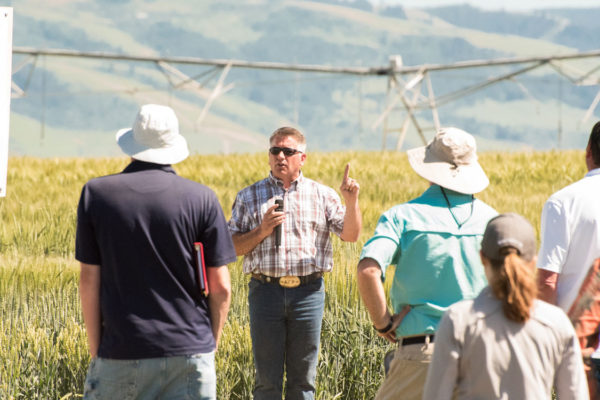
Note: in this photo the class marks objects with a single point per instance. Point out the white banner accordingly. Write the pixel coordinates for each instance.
(6, 23)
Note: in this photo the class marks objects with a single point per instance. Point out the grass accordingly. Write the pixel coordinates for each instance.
(43, 342)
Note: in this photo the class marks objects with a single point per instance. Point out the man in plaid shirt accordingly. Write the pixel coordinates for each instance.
(286, 290)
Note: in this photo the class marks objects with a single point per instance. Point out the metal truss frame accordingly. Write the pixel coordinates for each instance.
(404, 88)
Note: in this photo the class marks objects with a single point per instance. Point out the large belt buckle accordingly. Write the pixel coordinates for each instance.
(289, 281)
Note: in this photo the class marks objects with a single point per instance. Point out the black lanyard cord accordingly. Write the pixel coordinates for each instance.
(460, 224)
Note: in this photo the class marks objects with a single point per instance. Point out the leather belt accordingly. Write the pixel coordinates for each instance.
(288, 281)
(417, 340)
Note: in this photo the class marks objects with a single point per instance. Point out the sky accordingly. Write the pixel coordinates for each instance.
(509, 5)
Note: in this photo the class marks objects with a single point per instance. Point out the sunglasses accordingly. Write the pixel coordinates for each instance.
(287, 151)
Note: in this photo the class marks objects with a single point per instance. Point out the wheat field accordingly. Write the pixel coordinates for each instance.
(42, 337)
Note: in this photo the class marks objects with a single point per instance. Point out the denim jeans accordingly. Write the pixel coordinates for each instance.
(285, 326)
(167, 378)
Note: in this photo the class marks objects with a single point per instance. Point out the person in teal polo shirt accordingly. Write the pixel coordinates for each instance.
(434, 242)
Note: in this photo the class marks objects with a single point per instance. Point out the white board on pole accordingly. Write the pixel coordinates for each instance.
(6, 22)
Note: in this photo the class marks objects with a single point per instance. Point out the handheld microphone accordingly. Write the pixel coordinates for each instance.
(279, 203)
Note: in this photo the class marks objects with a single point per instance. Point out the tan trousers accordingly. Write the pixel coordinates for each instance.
(408, 371)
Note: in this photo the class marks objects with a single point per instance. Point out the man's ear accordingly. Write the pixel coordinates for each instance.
(589, 158)
(588, 150)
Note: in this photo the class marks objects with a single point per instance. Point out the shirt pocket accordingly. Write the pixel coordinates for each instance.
(311, 226)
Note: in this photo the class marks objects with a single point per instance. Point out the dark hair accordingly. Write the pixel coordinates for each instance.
(594, 143)
(513, 282)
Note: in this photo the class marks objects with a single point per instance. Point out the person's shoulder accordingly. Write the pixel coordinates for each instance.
(104, 178)
(461, 306)
(431, 197)
(420, 204)
(481, 306)
(485, 205)
(399, 213)
(485, 210)
(551, 315)
(462, 313)
(485, 304)
(190, 184)
(99, 182)
(254, 187)
(545, 308)
(572, 190)
(398, 209)
(316, 184)
(198, 188)
(319, 188)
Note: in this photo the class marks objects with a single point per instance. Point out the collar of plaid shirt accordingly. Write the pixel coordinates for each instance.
(278, 182)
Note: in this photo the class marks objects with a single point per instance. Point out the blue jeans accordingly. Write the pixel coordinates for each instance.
(166, 378)
(285, 326)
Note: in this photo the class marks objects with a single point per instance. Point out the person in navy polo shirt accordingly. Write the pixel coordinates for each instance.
(151, 332)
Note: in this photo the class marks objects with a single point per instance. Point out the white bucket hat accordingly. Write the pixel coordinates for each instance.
(450, 160)
(154, 137)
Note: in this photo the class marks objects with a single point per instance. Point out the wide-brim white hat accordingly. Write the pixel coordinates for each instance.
(450, 160)
(154, 136)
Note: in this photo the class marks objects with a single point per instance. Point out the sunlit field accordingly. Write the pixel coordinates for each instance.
(42, 339)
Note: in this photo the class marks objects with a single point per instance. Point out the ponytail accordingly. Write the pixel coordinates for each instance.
(514, 284)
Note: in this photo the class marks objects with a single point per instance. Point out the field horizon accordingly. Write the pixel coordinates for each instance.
(42, 333)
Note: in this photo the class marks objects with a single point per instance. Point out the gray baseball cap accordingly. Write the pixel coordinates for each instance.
(509, 230)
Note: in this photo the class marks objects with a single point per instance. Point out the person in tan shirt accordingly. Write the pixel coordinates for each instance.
(506, 344)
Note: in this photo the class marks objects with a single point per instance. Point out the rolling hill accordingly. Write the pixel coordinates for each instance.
(73, 107)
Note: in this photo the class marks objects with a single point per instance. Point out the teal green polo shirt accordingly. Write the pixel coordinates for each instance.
(436, 252)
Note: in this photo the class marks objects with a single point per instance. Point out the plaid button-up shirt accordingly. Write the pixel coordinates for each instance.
(312, 211)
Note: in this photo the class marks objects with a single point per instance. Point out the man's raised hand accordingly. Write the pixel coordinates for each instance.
(349, 187)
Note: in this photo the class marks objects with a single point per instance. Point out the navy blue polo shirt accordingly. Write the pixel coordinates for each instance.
(140, 227)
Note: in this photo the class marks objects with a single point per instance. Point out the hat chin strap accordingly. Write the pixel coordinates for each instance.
(460, 224)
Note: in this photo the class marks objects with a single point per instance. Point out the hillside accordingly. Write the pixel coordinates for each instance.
(74, 107)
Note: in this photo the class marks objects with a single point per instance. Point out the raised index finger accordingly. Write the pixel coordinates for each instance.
(346, 172)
